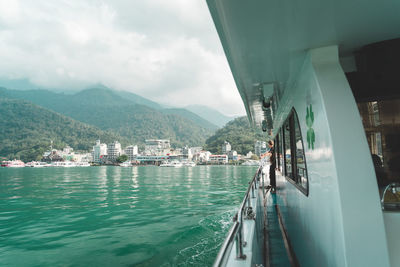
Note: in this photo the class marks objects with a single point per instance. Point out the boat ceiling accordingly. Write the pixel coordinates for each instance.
(265, 41)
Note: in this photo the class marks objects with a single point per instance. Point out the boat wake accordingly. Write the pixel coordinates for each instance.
(213, 230)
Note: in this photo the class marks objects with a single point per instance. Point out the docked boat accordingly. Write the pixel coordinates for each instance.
(64, 164)
(37, 164)
(173, 163)
(13, 163)
(320, 78)
(82, 164)
(126, 164)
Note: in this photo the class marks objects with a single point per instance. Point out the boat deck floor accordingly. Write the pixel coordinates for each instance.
(277, 254)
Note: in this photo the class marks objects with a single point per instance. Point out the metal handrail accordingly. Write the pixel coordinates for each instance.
(236, 230)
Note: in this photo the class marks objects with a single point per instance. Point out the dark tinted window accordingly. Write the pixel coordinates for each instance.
(301, 173)
(381, 120)
(375, 85)
(277, 151)
(287, 149)
(295, 161)
(280, 155)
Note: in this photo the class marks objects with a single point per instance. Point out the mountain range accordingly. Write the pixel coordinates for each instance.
(32, 118)
(71, 104)
(27, 129)
(120, 113)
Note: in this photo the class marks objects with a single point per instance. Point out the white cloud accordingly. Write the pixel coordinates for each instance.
(167, 51)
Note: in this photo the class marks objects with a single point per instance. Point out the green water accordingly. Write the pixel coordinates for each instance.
(113, 216)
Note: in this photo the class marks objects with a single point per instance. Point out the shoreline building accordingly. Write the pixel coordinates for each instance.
(196, 149)
(131, 152)
(51, 156)
(233, 155)
(226, 147)
(157, 147)
(66, 154)
(99, 150)
(187, 153)
(260, 147)
(113, 150)
(67, 150)
(218, 159)
(202, 156)
(83, 157)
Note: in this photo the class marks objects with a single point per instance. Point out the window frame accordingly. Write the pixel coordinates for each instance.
(277, 151)
(295, 180)
(285, 164)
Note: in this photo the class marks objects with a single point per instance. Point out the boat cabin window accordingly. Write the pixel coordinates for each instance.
(381, 121)
(280, 156)
(301, 171)
(294, 157)
(278, 151)
(375, 86)
(287, 149)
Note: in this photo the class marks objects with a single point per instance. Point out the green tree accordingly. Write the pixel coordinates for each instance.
(122, 158)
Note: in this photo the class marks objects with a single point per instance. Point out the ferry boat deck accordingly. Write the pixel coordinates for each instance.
(321, 79)
(258, 236)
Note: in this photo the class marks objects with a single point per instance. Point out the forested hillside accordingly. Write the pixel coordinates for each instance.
(238, 133)
(110, 110)
(27, 129)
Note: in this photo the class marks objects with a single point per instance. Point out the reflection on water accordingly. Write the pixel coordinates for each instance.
(112, 216)
(135, 174)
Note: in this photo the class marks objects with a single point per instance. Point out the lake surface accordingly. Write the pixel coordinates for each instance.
(113, 216)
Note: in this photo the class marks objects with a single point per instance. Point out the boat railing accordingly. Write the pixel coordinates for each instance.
(236, 230)
(391, 197)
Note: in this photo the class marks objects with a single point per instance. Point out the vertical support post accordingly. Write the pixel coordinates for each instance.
(238, 252)
(239, 244)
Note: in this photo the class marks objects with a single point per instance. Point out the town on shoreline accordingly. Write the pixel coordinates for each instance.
(156, 152)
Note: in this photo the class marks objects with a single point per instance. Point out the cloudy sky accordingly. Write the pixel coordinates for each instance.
(165, 50)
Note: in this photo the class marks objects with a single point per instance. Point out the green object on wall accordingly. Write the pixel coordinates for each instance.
(310, 131)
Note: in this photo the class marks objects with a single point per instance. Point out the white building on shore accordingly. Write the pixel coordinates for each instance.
(157, 147)
(226, 147)
(219, 159)
(202, 156)
(84, 157)
(187, 153)
(99, 150)
(131, 152)
(113, 150)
